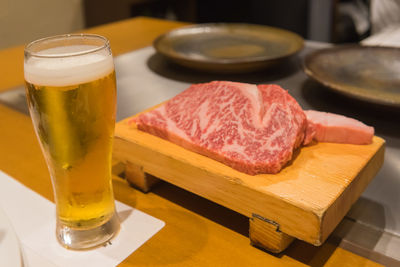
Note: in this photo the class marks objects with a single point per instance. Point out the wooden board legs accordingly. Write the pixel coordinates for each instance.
(266, 235)
(263, 233)
(135, 175)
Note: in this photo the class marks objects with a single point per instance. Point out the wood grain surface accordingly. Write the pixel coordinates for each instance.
(307, 198)
(197, 232)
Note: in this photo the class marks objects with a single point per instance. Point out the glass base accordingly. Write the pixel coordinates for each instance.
(87, 238)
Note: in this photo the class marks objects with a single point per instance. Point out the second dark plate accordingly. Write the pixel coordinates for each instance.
(368, 73)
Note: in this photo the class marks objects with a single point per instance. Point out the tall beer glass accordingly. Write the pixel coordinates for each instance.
(71, 92)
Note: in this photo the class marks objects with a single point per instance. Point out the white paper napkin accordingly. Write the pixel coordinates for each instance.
(33, 218)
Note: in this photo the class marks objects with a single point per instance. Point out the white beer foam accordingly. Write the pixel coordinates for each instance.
(68, 70)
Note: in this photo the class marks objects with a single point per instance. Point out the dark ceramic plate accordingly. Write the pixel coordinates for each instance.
(369, 73)
(228, 47)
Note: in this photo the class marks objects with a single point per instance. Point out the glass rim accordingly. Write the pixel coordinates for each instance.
(106, 44)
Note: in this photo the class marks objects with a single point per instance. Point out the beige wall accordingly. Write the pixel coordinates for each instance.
(22, 21)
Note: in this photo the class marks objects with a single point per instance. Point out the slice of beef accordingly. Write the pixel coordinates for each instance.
(253, 129)
(334, 128)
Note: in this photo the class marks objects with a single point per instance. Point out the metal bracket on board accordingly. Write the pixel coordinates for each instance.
(254, 215)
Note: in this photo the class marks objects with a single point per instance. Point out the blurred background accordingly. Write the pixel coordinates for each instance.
(336, 21)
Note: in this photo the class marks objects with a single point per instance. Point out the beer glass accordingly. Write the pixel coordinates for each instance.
(71, 92)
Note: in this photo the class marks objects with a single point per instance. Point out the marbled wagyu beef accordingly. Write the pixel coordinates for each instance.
(335, 128)
(251, 128)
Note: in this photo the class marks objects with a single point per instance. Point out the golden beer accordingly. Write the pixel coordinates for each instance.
(72, 98)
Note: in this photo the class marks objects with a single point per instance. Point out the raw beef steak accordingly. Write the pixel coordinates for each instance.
(335, 128)
(251, 128)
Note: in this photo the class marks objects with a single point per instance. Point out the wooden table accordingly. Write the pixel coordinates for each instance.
(197, 232)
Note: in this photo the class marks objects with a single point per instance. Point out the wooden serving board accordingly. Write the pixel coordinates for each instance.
(306, 200)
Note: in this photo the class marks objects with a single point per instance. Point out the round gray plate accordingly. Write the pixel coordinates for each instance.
(228, 47)
(368, 73)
